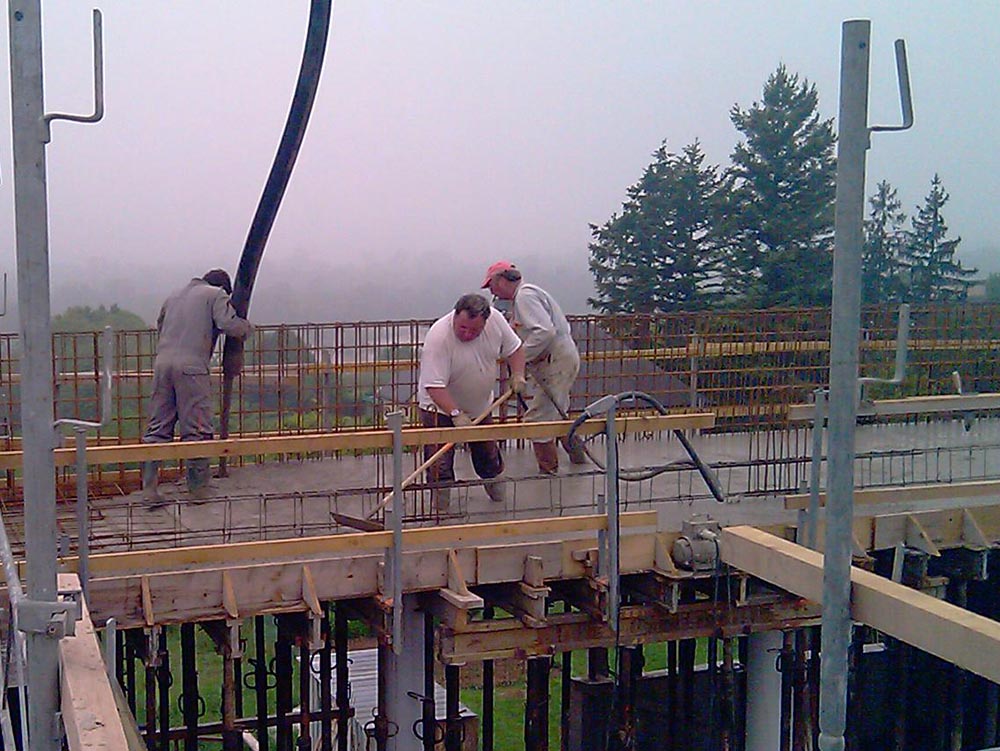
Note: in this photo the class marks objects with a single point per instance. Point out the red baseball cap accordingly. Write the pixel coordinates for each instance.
(496, 268)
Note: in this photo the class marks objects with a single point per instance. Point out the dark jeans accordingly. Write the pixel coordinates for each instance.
(486, 457)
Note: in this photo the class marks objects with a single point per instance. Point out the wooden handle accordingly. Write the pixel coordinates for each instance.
(438, 454)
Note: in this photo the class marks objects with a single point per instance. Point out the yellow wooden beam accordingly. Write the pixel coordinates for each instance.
(359, 440)
(952, 633)
(175, 559)
(89, 712)
(909, 494)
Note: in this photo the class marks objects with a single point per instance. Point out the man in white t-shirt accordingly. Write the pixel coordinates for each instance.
(458, 368)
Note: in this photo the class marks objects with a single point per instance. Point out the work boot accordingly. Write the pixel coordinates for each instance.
(441, 499)
(574, 448)
(496, 490)
(198, 472)
(547, 456)
(150, 482)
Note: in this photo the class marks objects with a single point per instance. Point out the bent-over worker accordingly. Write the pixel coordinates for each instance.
(189, 324)
(550, 352)
(458, 367)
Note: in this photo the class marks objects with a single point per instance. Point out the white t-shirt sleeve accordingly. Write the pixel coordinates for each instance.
(435, 360)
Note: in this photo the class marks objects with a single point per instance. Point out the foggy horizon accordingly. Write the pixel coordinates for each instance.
(449, 135)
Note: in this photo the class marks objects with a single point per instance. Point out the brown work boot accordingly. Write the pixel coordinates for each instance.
(496, 490)
(547, 456)
(575, 449)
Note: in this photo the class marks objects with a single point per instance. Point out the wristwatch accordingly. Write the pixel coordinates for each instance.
(455, 412)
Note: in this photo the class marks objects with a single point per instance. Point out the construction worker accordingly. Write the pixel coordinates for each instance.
(458, 367)
(189, 323)
(550, 352)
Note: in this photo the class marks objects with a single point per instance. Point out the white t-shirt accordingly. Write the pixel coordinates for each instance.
(467, 369)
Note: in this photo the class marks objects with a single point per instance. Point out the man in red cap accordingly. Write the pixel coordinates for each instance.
(551, 354)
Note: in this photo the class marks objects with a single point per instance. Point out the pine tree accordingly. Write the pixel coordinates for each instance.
(885, 241)
(935, 273)
(784, 176)
(661, 252)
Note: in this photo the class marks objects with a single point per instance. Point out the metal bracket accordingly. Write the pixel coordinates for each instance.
(53, 619)
(98, 113)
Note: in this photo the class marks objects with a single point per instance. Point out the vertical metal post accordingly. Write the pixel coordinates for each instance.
(326, 685)
(816, 465)
(82, 512)
(453, 723)
(565, 685)
(395, 520)
(343, 686)
(611, 481)
(189, 682)
(852, 144)
(536, 705)
(231, 736)
(428, 723)
(283, 688)
(304, 742)
(487, 723)
(31, 233)
(260, 676)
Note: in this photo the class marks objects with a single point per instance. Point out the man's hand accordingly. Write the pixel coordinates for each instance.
(518, 384)
(461, 420)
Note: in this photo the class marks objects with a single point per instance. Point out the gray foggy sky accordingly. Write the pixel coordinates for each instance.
(447, 134)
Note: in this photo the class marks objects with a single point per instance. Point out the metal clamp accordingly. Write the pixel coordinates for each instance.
(52, 619)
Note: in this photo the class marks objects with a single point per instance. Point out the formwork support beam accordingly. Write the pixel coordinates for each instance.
(952, 633)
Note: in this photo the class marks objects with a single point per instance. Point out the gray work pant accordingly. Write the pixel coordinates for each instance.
(556, 369)
(182, 393)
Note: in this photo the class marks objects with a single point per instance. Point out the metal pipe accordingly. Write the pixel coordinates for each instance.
(815, 465)
(15, 593)
(487, 724)
(260, 675)
(34, 309)
(343, 686)
(395, 423)
(189, 683)
(852, 144)
(82, 512)
(429, 717)
(453, 725)
(536, 705)
(325, 686)
(611, 488)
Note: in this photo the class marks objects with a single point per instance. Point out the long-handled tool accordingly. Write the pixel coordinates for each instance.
(274, 190)
(439, 453)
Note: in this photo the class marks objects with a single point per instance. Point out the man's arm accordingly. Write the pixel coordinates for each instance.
(535, 325)
(442, 398)
(516, 362)
(225, 319)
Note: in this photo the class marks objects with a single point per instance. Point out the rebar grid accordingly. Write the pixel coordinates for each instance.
(745, 366)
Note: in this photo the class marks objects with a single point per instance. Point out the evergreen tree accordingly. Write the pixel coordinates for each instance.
(661, 253)
(784, 176)
(885, 240)
(935, 273)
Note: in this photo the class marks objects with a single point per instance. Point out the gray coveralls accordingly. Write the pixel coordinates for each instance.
(190, 321)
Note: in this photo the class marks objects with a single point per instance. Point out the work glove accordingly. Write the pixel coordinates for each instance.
(461, 420)
(518, 384)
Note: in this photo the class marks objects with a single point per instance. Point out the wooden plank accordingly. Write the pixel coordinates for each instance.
(307, 547)
(639, 624)
(913, 405)
(357, 440)
(89, 712)
(954, 634)
(909, 494)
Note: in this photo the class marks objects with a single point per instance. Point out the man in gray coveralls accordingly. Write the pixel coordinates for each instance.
(189, 323)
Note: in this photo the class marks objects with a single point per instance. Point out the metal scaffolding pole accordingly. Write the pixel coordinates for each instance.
(844, 337)
(31, 219)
